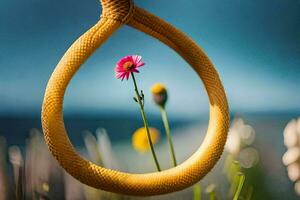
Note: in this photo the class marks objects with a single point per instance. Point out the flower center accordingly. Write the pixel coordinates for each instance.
(128, 65)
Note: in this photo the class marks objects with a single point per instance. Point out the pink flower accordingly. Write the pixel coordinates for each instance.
(127, 65)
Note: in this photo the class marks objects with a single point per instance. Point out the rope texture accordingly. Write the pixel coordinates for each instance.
(115, 14)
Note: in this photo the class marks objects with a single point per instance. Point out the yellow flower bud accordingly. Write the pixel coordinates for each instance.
(158, 88)
(159, 94)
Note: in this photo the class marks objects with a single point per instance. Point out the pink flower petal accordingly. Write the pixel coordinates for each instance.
(119, 69)
(140, 64)
(119, 75)
(136, 59)
(123, 76)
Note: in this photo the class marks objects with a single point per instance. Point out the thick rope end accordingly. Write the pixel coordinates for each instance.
(120, 10)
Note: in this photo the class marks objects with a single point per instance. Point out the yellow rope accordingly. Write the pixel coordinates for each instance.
(115, 14)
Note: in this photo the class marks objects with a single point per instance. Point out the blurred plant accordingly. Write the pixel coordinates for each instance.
(211, 191)
(128, 66)
(3, 170)
(291, 158)
(95, 156)
(73, 188)
(16, 160)
(104, 147)
(100, 152)
(140, 141)
(91, 145)
(239, 136)
(241, 159)
(44, 178)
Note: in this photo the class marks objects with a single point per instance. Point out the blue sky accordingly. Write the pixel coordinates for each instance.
(255, 45)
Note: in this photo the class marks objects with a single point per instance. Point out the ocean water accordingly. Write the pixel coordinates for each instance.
(119, 128)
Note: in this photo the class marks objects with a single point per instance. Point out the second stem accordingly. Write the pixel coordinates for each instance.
(167, 128)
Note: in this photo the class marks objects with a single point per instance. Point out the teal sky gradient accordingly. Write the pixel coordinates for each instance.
(255, 46)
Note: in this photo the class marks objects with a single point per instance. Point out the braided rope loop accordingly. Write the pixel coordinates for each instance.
(115, 14)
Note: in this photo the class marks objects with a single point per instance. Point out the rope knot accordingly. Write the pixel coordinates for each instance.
(120, 10)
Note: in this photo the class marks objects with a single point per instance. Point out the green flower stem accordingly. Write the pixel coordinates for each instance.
(240, 185)
(138, 96)
(167, 129)
(212, 195)
(197, 191)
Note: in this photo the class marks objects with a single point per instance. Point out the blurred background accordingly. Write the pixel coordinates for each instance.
(255, 46)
